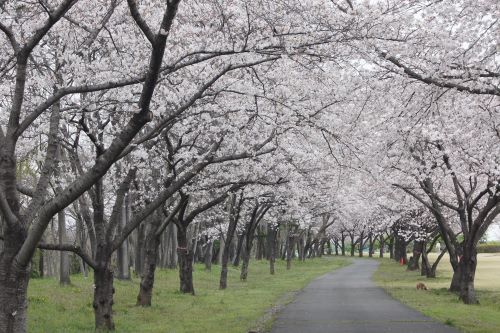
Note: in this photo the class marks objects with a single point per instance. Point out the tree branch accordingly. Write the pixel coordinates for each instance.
(428, 80)
(70, 248)
(134, 11)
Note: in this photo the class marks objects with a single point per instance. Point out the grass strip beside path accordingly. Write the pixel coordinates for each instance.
(442, 305)
(69, 309)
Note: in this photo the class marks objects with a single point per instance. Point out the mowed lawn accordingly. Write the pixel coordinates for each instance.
(438, 303)
(238, 309)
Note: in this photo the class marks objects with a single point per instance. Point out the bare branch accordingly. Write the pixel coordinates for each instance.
(134, 11)
(70, 248)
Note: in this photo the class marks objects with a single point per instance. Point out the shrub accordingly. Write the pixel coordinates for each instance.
(490, 247)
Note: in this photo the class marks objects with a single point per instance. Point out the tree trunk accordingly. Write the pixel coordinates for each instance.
(417, 251)
(41, 266)
(271, 236)
(103, 297)
(246, 256)
(122, 253)
(382, 245)
(148, 271)
(13, 286)
(185, 262)
(139, 250)
(208, 256)
(370, 245)
(343, 244)
(63, 255)
(425, 269)
(241, 239)
(291, 243)
(352, 247)
(391, 247)
(172, 246)
(360, 250)
(244, 266)
(468, 264)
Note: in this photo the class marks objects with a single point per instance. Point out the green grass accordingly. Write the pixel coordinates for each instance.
(239, 308)
(438, 303)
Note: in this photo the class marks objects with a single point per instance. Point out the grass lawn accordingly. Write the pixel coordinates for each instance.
(438, 303)
(239, 308)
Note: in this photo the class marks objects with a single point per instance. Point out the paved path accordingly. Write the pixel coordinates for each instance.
(347, 301)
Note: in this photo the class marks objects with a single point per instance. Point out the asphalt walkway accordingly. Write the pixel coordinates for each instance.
(348, 301)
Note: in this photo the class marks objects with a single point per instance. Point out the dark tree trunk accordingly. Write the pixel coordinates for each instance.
(123, 265)
(370, 245)
(400, 250)
(382, 245)
(271, 245)
(241, 239)
(342, 239)
(41, 265)
(468, 264)
(413, 264)
(391, 247)
(244, 266)
(246, 256)
(455, 280)
(360, 250)
(233, 222)
(13, 285)
(321, 248)
(185, 262)
(63, 255)
(172, 246)
(139, 250)
(148, 271)
(103, 297)
(425, 268)
(307, 248)
(261, 246)
(291, 243)
(208, 256)
(352, 246)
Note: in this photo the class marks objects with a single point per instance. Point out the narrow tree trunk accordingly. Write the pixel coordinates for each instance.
(244, 266)
(391, 247)
(352, 247)
(103, 297)
(370, 246)
(148, 271)
(271, 236)
(417, 251)
(41, 265)
(185, 262)
(172, 246)
(241, 239)
(246, 257)
(291, 242)
(382, 245)
(425, 269)
(64, 278)
(225, 257)
(139, 250)
(122, 253)
(343, 244)
(208, 256)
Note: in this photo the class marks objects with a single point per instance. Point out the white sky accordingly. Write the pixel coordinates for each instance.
(494, 232)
